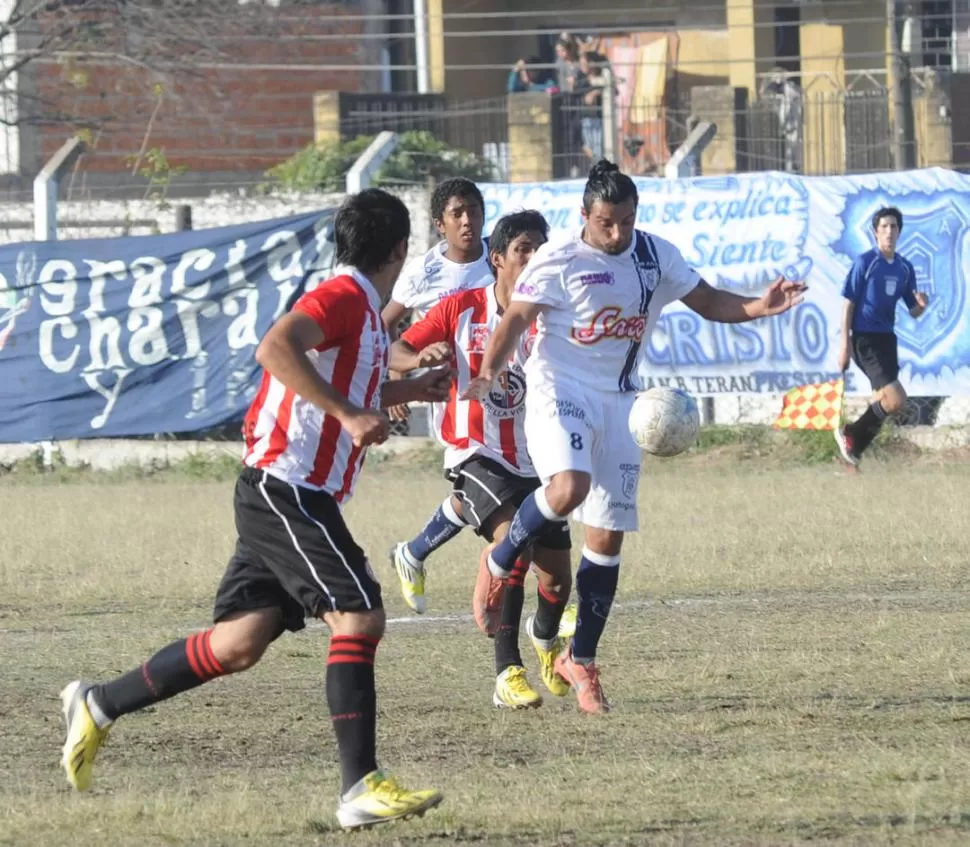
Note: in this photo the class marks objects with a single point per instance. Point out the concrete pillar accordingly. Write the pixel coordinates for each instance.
(530, 137)
(751, 42)
(823, 77)
(436, 46)
(326, 118)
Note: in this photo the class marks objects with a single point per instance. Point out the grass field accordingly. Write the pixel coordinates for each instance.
(789, 662)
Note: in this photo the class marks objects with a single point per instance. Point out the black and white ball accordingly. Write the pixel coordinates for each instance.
(664, 421)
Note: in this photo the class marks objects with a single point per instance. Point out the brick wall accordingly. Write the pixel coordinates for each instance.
(212, 119)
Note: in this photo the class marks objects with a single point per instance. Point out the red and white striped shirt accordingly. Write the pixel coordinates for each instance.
(494, 427)
(297, 442)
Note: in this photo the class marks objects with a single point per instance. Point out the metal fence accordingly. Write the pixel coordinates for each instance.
(828, 132)
(476, 126)
(824, 133)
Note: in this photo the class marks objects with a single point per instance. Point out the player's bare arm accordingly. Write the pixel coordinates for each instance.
(517, 319)
(715, 304)
(430, 387)
(392, 316)
(283, 352)
(845, 350)
(404, 358)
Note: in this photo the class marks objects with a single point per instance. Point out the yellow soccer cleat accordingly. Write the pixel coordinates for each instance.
(512, 690)
(84, 737)
(547, 652)
(379, 799)
(411, 577)
(567, 624)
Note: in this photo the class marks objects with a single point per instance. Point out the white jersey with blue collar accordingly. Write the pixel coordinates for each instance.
(600, 307)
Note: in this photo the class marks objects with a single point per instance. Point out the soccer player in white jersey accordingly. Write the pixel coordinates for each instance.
(459, 262)
(596, 295)
(489, 464)
(456, 263)
(317, 410)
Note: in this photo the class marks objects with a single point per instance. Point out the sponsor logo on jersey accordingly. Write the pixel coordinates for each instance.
(567, 409)
(610, 323)
(891, 283)
(630, 479)
(507, 398)
(603, 278)
(526, 288)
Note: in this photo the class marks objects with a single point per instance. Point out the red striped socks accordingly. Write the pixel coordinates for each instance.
(201, 658)
(182, 665)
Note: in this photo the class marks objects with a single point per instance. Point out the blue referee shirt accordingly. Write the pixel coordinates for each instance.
(876, 284)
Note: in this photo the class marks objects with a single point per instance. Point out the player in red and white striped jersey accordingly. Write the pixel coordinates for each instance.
(487, 460)
(294, 439)
(319, 407)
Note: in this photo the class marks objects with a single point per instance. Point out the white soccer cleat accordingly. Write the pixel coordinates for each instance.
(410, 576)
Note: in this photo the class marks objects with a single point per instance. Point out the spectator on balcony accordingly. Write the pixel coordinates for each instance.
(787, 97)
(567, 62)
(592, 81)
(524, 76)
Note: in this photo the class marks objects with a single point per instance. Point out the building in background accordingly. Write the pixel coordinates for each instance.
(224, 114)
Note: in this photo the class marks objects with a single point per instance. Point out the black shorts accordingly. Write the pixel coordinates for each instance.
(483, 486)
(293, 551)
(877, 356)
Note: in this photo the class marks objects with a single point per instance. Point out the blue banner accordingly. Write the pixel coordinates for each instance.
(135, 336)
(740, 232)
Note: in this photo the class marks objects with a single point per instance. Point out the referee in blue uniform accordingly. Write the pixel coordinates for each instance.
(878, 280)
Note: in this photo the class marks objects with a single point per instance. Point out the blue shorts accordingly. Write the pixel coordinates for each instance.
(592, 129)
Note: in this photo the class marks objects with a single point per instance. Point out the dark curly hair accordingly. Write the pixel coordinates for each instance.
(456, 187)
(510, 227)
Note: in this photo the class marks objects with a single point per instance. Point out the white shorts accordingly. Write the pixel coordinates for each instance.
(572, 428)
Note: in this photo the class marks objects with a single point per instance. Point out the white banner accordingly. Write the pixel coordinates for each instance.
(741, 232)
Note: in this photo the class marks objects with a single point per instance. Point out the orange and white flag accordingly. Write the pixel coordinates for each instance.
(815, 406)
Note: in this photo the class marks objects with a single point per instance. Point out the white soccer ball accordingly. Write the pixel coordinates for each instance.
(664, 421)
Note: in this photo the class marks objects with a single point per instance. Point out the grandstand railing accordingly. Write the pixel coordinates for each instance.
(647, 134)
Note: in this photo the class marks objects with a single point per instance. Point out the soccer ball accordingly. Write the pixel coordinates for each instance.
(664, 421)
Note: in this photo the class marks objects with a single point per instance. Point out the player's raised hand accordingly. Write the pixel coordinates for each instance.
(781, 296)
(434, 386)
(478, 388)
(438, 353)
(367, 426)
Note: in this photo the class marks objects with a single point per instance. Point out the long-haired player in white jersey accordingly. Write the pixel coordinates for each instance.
(596, 295)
